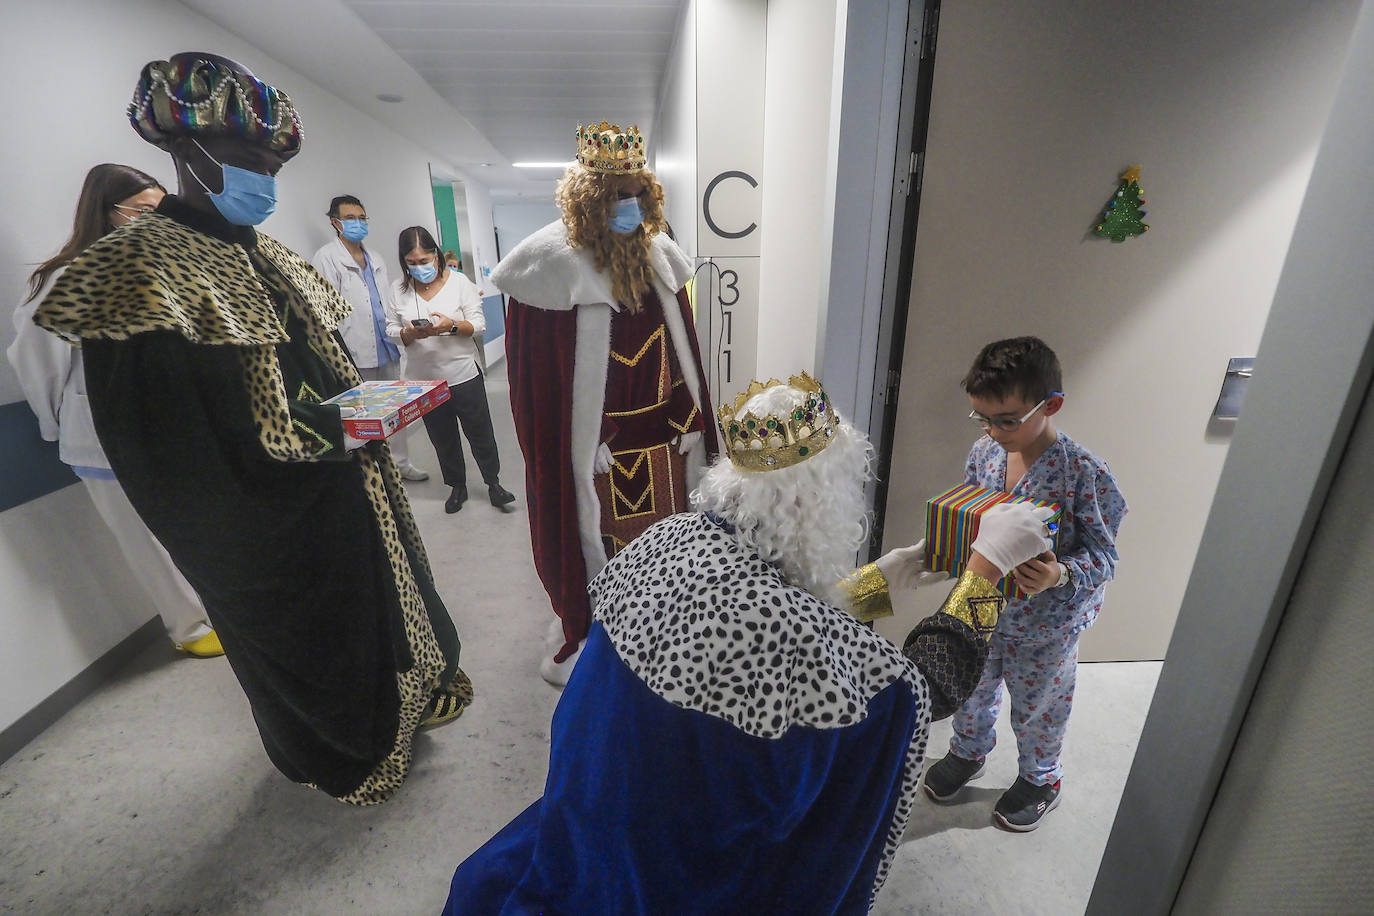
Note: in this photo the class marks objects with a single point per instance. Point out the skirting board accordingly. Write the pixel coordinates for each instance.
(65, 698)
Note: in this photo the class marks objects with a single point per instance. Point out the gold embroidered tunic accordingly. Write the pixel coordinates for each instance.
(647, 407)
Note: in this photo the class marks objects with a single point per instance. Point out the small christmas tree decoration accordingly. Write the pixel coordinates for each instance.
(1122, 217)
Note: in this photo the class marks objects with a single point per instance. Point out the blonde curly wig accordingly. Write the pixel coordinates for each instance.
(587, 200)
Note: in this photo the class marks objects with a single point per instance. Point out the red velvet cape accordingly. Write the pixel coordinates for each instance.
(539, 352)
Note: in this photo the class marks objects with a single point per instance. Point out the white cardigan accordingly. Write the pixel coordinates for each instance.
(450, 357)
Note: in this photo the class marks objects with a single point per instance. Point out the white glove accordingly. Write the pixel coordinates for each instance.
(351, 444)
(687, 441)
(601, 464)
(904, 568)
(1009, 534)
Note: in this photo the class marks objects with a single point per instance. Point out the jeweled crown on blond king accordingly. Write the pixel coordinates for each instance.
(606, 148)
(769, 442)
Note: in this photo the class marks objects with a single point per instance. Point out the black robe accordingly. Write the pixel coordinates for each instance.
(208, 349)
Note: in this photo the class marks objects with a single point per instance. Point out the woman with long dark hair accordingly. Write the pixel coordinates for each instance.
(435, 318)
(54, 383)
(111, 196)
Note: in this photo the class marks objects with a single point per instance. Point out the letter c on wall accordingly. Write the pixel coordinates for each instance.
(706, 204)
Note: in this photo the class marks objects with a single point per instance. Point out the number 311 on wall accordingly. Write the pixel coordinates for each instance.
(732, 290)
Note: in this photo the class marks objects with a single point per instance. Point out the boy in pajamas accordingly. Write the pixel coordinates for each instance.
(1013, 388)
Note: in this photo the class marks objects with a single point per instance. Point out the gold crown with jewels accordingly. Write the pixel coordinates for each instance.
(770, 442)
(606, 148)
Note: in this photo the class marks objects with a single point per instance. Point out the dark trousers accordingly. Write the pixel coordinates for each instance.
(467, 404)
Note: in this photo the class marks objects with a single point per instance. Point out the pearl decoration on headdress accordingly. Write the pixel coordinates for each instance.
(140, 104)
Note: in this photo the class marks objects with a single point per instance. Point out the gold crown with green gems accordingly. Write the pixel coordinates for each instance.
(607, 148)
(769, 442)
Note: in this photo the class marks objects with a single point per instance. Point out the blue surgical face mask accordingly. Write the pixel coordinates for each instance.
(423, 272)
(246, 199)
(627, 215)
(355, 230)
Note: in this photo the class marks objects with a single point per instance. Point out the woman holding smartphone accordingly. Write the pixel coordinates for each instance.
(435, 320)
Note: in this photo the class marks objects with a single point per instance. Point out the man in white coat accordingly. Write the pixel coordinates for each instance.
(361, 280)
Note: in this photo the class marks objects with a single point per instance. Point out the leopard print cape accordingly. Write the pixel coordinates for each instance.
(156, 274)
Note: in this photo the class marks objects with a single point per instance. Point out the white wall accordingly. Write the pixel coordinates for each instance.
(67, 599)
(481, 234)
(460, 213)
(867, 104)
(516, 222)
(104, 45)
(480, 250)
(796, 184)
(1036, 109)
(728, 121)
(674, 150)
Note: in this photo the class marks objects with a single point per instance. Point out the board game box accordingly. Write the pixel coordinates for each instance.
(382, 408)
(952, 524)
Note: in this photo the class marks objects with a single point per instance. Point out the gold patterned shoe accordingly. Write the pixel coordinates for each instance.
(448, 704)
(206, 647)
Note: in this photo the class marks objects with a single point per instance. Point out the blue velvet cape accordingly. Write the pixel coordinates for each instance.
(660, 809)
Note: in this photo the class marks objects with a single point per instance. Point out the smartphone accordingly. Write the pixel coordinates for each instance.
(419, 323)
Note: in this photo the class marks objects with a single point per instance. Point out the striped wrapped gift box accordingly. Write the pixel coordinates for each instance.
(952, 524)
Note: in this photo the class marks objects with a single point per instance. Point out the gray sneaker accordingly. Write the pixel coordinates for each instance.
(411, 472)
(1023, 805)
(948, 775)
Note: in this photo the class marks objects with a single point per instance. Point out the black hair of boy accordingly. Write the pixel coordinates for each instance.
(1024, 366)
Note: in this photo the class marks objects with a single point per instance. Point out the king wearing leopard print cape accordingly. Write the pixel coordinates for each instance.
(209, 350)
(728, 742)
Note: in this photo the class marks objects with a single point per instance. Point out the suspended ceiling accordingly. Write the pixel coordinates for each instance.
(479, 82)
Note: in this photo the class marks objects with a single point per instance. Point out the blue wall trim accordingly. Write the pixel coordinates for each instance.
(494, 308)
(31, 466)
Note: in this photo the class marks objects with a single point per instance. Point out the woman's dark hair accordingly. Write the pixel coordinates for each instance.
(417, 237)
(106, 185)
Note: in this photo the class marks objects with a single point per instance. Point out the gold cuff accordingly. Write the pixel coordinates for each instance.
(976, 602)
(866, 593)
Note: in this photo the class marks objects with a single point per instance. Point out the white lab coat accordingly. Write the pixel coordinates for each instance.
(344, 274)
(54, 384)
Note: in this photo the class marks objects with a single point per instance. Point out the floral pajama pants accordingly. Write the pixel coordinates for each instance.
(1040, 678)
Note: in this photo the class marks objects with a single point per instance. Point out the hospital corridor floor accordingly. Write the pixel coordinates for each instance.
(154, 795)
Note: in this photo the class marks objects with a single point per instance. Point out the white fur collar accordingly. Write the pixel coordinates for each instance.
(546, 272)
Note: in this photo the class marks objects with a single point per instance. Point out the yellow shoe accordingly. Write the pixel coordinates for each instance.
(206, 647)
